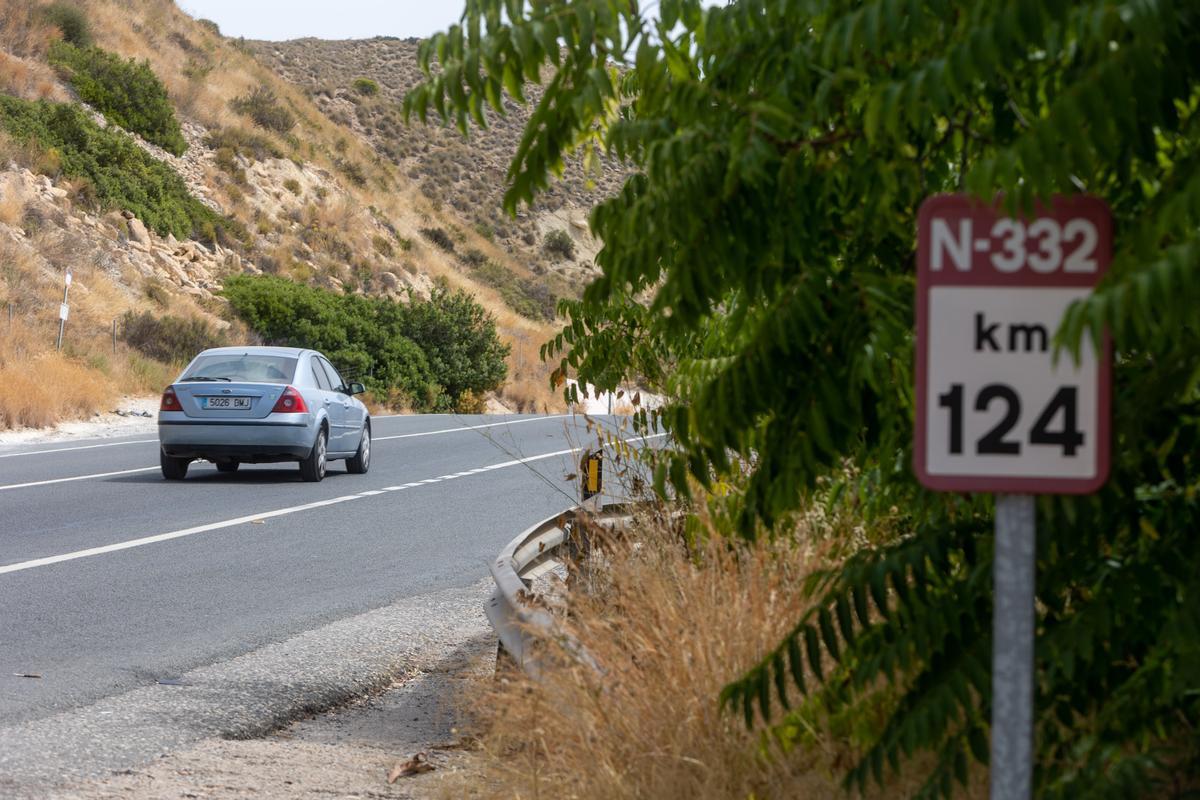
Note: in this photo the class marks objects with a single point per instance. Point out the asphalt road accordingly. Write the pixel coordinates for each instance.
(112, 578)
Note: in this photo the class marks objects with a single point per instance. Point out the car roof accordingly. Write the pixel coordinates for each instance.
(293, 352)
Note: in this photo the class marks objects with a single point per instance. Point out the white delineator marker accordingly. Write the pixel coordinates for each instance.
(997, 412)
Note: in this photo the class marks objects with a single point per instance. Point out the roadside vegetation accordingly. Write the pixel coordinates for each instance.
(114, 172)
(40, 386)
(436, 355)
(758, 270)
(338, 216)
(127, 93)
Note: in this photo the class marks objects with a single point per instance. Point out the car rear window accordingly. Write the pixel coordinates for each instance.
(250, 367)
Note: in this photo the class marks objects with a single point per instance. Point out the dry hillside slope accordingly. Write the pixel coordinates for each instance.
(309, 199)
(466, 174)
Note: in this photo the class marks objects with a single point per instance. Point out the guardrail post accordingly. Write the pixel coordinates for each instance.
(591, 470)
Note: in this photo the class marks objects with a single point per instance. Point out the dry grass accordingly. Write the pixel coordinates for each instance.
(28, 79)
(670, 628)
(528, 387)
(41, 387)
(23, 31)
(12, 210)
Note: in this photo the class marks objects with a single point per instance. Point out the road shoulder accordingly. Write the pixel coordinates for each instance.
(226, 709)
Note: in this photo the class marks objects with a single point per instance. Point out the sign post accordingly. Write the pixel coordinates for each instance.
(998, 412)
(64, 310)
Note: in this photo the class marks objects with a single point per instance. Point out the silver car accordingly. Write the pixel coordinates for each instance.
(235, 405)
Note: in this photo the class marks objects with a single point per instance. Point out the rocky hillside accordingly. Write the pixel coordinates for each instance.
(360, 84)
(212, 165)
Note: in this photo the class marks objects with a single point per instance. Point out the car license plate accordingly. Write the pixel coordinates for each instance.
(227, 402)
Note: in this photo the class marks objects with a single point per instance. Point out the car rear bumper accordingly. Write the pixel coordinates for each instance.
(257, 441)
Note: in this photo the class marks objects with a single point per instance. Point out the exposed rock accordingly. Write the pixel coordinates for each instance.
(138, 232)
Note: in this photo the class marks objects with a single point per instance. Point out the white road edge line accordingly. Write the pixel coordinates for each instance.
(75, 478)
(377, 438)
(79, 447)
(469, 428)
(229, 523)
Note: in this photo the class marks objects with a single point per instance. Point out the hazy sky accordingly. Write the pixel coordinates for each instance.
(326, 19)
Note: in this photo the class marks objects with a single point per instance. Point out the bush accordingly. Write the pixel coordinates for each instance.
(127, 93)
(168, 338)
(366, 87)
(352, 170)
(530, 299)
(430, 353)
(439, 237)
(383, 246)
(71, 20)
(243, 143)
(262, 106)
(292, 185)
(559, 244)
(212, 27)
(122, 175)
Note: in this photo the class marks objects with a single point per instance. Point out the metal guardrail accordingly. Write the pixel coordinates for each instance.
(515, 614)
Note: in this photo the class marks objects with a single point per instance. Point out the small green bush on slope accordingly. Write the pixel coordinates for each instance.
(430, 352)
(168, 338)
(528, 298)
(123, 175)
(70, 19)
(127, 93)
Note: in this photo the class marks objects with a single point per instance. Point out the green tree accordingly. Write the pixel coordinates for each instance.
(430, 351)
(459, 338)
(778, 154)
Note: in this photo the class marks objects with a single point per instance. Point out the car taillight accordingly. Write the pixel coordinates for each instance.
(290, 402)
(169, 401)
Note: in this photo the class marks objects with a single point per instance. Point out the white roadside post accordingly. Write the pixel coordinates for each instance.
(997, 412)
(64, 310)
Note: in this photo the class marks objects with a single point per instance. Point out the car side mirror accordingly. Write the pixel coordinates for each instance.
(356, 388)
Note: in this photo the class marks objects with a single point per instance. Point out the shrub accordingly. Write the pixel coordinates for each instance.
(351, 170)
(383, 246)
(439, 237)
(168, 338)
(366, 87)
(127, 93)
(459, 338)
(122, 174)
(559, 244)
(71, 21)
(429, 352)
(292, 185)
(212, 27)
(473, 257)
(262, 106)
(243, 143)
(530, 299)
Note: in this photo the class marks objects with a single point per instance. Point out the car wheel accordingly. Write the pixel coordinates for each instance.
(312, 467)
(361, 462)
(173, 469)
(228, 466)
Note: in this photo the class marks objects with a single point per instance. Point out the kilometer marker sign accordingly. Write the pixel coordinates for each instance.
(995, 411)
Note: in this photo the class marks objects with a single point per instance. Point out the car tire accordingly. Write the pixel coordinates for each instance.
(312, 466)
(173, 469)
(361, 462)
(228, 466)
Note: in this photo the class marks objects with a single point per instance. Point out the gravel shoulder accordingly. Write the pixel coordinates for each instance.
(327, 713)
